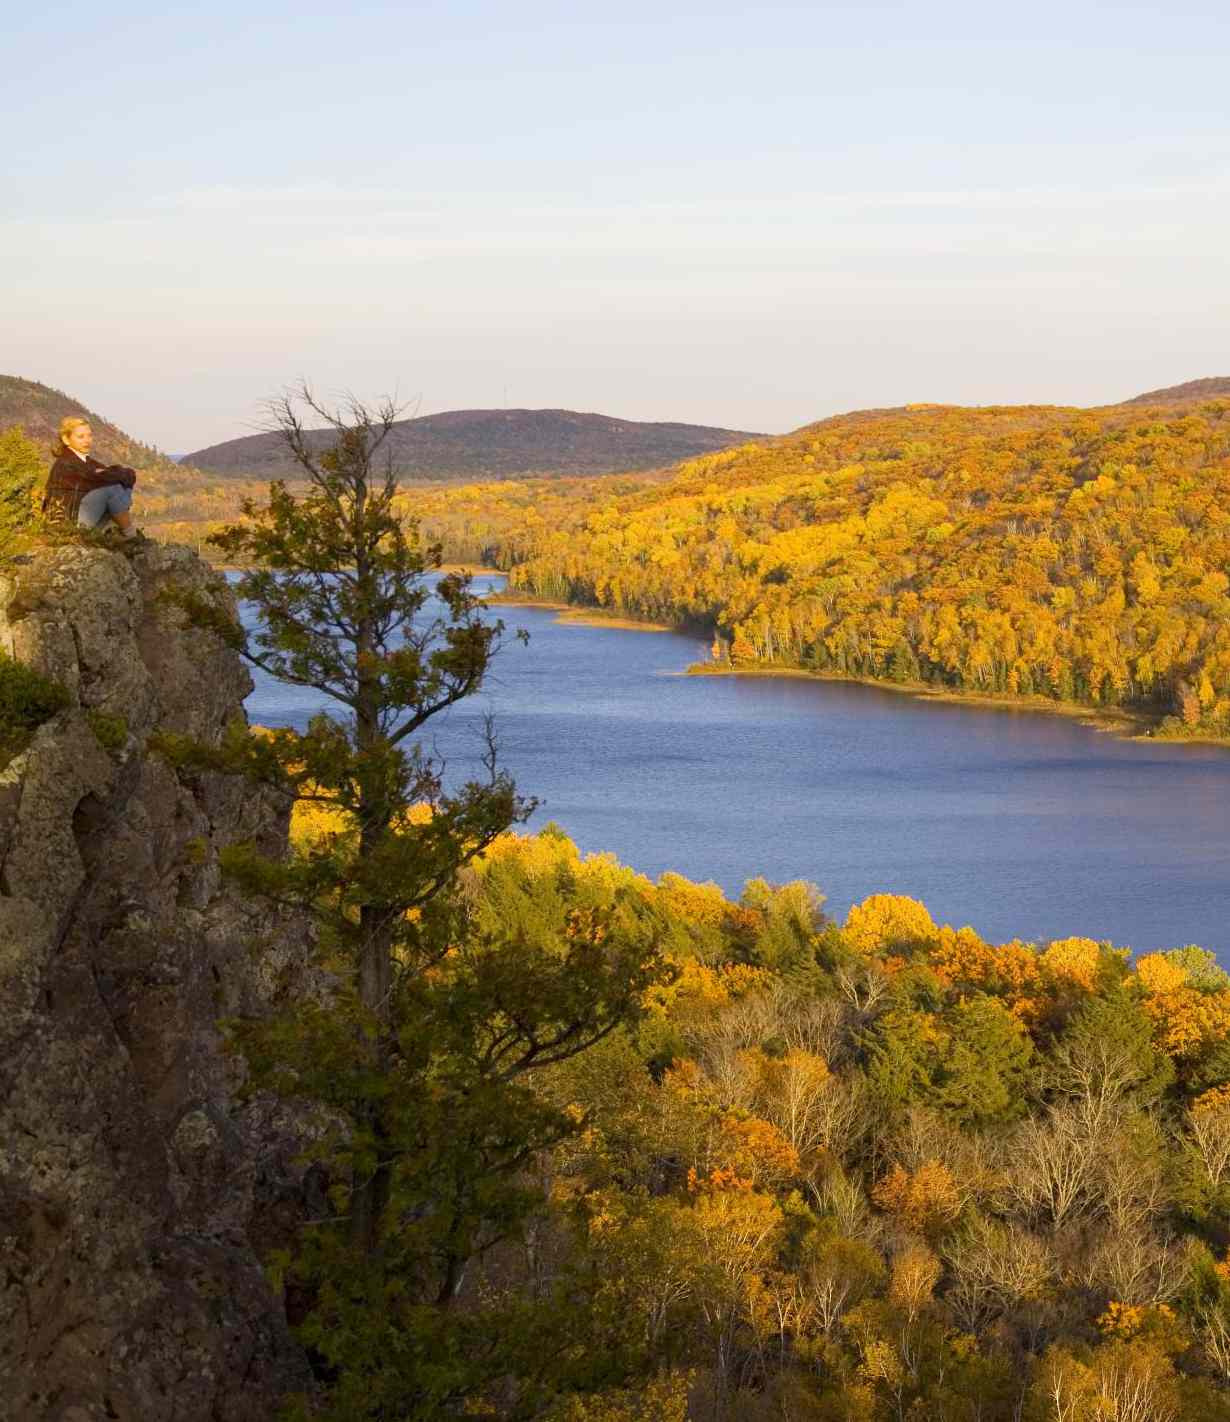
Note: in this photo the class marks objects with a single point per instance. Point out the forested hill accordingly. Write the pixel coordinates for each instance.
(38, 409)
(1075, 554)
(495, 444)
(1210, 388)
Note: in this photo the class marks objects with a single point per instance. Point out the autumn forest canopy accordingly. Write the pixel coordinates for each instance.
(1076, 555)
(864, 1170)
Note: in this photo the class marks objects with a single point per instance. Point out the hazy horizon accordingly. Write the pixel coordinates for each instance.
(696, 214)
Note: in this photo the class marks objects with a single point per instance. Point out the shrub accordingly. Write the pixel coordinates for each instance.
(21, 471)
(111, 732)
(27, 699)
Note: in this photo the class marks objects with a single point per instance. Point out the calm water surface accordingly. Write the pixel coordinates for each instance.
(1021, 824)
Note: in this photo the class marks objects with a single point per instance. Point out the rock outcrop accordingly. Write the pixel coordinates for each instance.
(135, 1190)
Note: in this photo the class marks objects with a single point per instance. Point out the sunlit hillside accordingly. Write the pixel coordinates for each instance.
(1074, 554)
(1211, 387)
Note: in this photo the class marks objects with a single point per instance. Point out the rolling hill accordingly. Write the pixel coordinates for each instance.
(498, 444)
(1212, 387)
(1036, 552)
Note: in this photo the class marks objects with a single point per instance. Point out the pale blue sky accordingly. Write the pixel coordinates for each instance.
(741, 216)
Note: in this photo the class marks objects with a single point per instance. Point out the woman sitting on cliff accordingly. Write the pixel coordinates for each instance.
(83, 489)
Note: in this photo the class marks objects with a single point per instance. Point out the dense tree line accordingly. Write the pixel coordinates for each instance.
(502, 523)
(1077, 555)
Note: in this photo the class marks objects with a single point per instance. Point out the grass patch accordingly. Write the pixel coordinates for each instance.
(111, 732)
(27, 699)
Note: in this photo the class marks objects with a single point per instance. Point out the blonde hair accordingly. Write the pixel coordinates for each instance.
(67, 425)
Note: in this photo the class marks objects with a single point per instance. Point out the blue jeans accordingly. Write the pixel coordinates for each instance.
(99, 505)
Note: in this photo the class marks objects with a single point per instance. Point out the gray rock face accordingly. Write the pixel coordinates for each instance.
(135, 1191)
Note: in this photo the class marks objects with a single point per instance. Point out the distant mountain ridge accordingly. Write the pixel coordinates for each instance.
(498, 444)
(1212, 387)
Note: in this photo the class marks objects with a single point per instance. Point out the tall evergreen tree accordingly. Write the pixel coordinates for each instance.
(420, 1052)
(346, 606)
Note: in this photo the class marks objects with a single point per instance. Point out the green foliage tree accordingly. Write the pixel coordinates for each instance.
(420, 1053)
(21, 468)
(984, 1077)
(1107, 1052)
(342, 593)
(972, 1062)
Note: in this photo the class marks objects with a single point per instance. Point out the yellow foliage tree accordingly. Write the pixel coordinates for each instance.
(889, 923)
(1073, 961)
(924, 1200)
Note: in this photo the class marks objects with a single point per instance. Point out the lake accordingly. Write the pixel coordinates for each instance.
(1020, 823)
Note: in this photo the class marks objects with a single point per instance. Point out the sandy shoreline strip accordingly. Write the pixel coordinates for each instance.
(577, 616)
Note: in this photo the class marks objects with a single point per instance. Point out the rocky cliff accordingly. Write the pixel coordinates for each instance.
(135, 1190)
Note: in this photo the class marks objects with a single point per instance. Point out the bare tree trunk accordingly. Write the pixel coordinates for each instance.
(370, 1196)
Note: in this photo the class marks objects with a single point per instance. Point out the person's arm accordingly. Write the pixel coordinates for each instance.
(95, 475)
(121, 474)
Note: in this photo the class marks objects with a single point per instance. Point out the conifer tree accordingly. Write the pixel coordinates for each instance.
(345, 606)
(419, 1051)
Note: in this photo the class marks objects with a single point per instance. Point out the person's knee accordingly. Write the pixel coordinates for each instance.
(111, 501)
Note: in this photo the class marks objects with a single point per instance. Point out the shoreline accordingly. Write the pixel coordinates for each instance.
(573, 616)
(1124, 724)
(475, 570)
(1127, 725)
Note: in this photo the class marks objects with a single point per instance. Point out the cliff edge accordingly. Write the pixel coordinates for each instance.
(135, 1189)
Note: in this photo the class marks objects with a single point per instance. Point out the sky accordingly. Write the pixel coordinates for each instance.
(746, 216)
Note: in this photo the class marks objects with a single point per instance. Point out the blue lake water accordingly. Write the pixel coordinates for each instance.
(1021, 824)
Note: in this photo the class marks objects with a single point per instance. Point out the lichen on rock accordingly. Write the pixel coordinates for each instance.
(136, 1189)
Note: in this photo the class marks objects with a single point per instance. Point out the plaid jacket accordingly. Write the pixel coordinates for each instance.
(72, 478)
